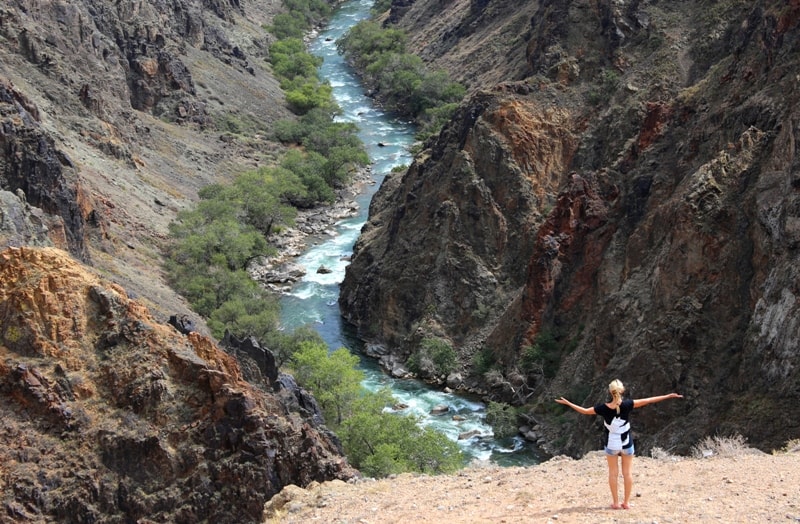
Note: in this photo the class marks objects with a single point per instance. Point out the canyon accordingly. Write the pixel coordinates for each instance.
(622, 179)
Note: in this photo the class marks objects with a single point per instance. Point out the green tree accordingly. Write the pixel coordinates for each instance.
(301, 15)
(367, 41)
(543, 356)
(313, 11)
(254, 314)
(434, 357)
(377, 442)
(309, 168)
(381, 443)
(307, 94)
(213, 243)
(289, 59)
(263, 198)
(332, 378)
(289, 25)
(381, 6)
(211, 234)
(283, 345)
(332, 152)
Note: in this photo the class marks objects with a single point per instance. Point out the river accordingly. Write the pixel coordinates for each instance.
(314, 300)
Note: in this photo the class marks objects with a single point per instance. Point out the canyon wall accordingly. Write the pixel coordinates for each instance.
(112, 116)
(623, 182)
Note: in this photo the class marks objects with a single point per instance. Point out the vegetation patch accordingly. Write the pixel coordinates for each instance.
(434, 358)
(542, 357)
(400, 80)
(718, 446)
(503, 419)
(376, 440)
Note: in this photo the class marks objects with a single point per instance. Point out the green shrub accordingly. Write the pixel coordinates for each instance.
(301, 15)
(367, 41)
(256, 314)
(377, 442)
(435, 357)
(290, 59)
(333, 152)
(543, 356)
(333, 378)
(304, 96)
(483, 361)
(297, 71)
(212, 244)
(502, 418)
(381, 443)
(381, 6)
(283, 345)
(289, 25)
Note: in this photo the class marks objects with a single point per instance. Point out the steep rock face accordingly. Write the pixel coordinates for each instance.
(462, 216)
(476, 41)
(23, 225)
(31, 163)
(108, 415)
(114, 114)
(662, 248)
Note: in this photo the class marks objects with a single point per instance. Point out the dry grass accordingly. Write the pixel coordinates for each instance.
(717, 446)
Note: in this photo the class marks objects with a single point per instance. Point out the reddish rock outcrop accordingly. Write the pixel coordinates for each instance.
(108, 415)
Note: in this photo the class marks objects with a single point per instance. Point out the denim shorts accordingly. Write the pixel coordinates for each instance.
(626, 451)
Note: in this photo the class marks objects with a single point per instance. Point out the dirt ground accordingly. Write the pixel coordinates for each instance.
(750, 486)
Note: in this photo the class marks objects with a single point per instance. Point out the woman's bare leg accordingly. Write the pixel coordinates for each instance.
(627, 478)
(613, 475)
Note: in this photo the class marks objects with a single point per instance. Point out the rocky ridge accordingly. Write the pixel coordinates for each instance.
(624, 181)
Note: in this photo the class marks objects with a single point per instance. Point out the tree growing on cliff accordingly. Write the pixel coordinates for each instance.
(332, 378)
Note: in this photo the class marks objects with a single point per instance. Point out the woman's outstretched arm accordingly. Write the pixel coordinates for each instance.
(639, 402)
(579, 409)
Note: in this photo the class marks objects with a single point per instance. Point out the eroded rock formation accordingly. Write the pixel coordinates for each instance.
(109, 415)
(114, 114)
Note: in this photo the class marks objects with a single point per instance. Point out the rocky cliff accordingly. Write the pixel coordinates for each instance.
(624, 181)
(111, 416)
(112, 116)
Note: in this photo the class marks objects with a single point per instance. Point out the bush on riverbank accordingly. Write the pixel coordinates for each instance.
(400, 80)
(377, 442)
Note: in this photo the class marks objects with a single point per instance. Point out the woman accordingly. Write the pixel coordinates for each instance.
(616, 417)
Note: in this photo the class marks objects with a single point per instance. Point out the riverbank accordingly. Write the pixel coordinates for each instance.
(311, 226)
(745, 486)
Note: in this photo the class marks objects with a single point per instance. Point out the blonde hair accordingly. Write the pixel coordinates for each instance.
(616, 389)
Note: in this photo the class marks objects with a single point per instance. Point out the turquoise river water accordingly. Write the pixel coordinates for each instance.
(314, 300)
